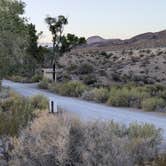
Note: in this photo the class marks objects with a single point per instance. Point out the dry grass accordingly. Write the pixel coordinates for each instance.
(63, 140)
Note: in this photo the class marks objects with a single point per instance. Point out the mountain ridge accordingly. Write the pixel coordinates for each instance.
(145, 40)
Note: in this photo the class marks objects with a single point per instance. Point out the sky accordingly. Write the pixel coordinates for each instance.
(106, 18)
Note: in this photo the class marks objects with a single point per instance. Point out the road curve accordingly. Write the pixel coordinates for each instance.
(93, 111)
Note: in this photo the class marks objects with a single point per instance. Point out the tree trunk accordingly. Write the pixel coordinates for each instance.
(54, 73)
(54, 62)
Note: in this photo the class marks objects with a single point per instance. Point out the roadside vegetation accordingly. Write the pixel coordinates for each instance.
(64, 140)
(148, 97)
(16, 111)
(30, 136)
(24, 79)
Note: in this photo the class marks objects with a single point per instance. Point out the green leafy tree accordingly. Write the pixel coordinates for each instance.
(61, 43)
(70, 41)
(56, 26)
(35, 54)
(13, 37)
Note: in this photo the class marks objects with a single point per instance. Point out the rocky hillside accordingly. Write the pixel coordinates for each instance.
(146, 40)
(105, 68)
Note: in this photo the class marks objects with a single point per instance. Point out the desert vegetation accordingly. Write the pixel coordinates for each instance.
(64, 140)
(148, 97)
(125, 75)
(142, 66)
(16, 111)
(31, 136)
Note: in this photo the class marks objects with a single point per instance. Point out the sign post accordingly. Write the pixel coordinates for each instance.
(53, 107)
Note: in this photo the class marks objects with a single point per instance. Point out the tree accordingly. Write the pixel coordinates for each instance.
(34, 57)
(70, 41)
(61, 43)
(56, 26)
(13, 37)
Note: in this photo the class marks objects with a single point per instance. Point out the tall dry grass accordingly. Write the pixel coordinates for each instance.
(65, 141)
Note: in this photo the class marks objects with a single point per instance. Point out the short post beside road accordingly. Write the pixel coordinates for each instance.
(53, 108)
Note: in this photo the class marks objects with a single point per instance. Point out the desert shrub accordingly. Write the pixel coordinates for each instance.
(36, 78)
(154, 90)
(6, 104)
(126, 97)
(4, 93)
(39, 102)
(62, 140)
(64, 77)
(48, 138)
(162, 94)
(154, 104)
(72, 67)
(18, 78)
(85, 68)
(90, 79)
(25, 79)
(44, 84)
(72, 88)
(97, 94)
(103, 53)
(15, 115)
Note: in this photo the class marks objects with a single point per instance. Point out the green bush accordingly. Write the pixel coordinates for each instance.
(154, 104)
(97, 94)
(85, 68)
(89, 79)
(44, 84)
(6, 104)
(126, 97)
(154, 90)
(18, 78)
(4, 93)
(73, 89)
(36, 78)
(15, 115)
(39, 102)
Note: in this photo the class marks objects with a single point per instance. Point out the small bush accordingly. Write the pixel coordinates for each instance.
(154, 104)
(39, 102)
(127, 97)
(44, 84)
(4, 93)
(99, 95)
(85, 68)
(36, 78)
(15, 115)
(103, 53)
(72, 67)
(90, 79)
(18, 78)
(73, 89)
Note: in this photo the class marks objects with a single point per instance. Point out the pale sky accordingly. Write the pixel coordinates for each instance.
(106, 18)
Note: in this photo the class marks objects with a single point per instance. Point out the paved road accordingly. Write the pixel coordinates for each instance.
(90, 111)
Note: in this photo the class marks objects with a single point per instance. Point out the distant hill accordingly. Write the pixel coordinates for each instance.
(95, 39)
(146, 40)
